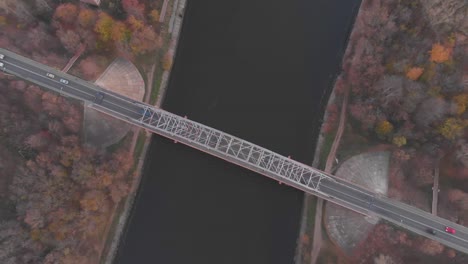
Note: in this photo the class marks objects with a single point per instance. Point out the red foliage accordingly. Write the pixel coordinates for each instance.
(133, 7)
(66, 13)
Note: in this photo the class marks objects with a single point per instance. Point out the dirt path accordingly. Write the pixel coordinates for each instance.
(317, 240)
(72, 61)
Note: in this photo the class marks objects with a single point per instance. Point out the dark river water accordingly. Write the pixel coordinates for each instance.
(260, 70)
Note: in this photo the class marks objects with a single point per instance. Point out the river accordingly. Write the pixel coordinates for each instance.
(260, 70)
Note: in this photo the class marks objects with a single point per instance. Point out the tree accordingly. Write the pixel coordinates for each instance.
(134, 23)
(431, 247)
(104, 26)
(399, 141)
(133, 7)
(94, 201)
(431, 110)
(120, 32)
(144, 41)
(383, 128)
(86, 18)
(414, 73)
(154, 15)
(66, 13)
(440, 53)
(460, 101)
(451, 128)
(69, 39)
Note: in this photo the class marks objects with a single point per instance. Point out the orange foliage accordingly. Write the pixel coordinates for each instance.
(440, 53)
(135, 24)
(414, 73)
(154, 14)
(86, 18)
(120, 32)
(66, 12)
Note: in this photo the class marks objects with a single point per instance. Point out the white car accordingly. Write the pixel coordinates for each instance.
(64, 81)
(1, 64)
(50, 75)
(2, 56)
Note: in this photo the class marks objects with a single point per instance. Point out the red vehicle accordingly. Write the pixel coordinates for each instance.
(450, 230)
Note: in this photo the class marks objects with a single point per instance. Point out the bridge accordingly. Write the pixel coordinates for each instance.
(236, 150)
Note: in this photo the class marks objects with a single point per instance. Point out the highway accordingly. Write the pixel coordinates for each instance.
(327, 187)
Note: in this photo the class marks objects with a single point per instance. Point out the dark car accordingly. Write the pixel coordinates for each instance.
(431, 231)
(99, 97)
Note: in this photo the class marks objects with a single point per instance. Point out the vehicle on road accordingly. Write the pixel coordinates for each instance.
(64, 81)
(50, 75)
(2, 65)
(146, 113)
(2, 56)
(431, 231)
(99, 97)
(450, 230)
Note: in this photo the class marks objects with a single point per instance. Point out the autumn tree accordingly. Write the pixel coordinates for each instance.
(414, 73)
(383, 128)
(66, 13)
(144, 41)
(86, 18)
(460, 101)
(69, 39)
(430, 247)
(104, 26)
(154, 15)
(119, 32)
(399, 141)
(133, 7)
(440, 53)
(451, 128)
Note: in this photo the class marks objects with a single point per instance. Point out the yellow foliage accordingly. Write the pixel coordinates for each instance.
(104, 26)
(461, 100)
(414, 73)
(452, 127)
(399, 141)
(86, 18)
(384, 128)
(135, 24)
(154, 14)
(3, 20)
(439, 53)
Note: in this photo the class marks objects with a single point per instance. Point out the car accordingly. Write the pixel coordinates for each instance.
(431, 231)
(99, 97)
(450, 230)
(50, 75)
(2, 65)
(2, 56)
(64, 81)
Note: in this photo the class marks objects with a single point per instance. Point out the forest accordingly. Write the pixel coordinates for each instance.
(58, 195)
(405, 70)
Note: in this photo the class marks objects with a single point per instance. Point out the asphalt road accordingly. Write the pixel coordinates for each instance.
(338, 191)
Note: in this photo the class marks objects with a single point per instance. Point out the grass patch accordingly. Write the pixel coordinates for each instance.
(139, 144)
(158, 72)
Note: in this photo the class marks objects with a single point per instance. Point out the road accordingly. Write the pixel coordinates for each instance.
(332, 189)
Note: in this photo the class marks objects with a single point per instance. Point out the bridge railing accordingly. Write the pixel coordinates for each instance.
(223, 144)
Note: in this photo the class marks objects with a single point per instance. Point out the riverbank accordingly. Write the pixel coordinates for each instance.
(398, 75)
(157, 86)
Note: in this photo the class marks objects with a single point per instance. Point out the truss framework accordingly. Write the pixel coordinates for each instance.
(231, 147)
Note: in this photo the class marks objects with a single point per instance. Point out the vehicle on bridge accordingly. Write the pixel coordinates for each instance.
(450, 230)
(50, 75)
(2, 56)
(2, 65)
(64, 81)
(99, 97)
(431, 231)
